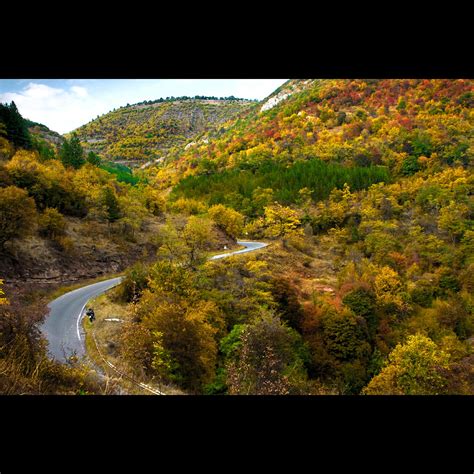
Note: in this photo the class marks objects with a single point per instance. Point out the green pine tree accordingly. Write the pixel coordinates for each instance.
(93, 158)
(72, 153)
(15, 125)
(111, 205)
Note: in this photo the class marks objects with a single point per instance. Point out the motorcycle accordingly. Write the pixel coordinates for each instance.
(90, 314)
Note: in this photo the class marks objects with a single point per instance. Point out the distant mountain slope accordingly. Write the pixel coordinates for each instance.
(44, 133)
(18, 132)
(147, 131)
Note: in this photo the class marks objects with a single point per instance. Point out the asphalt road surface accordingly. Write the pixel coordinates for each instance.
(62, 327)
(249, 247)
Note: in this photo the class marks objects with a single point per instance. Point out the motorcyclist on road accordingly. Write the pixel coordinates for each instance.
(91, 314)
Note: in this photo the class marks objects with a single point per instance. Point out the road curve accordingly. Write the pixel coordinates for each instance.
(62, 327)
(249, 247)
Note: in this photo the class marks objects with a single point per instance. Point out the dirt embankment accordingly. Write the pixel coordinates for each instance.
(87, 251)
(43, 262)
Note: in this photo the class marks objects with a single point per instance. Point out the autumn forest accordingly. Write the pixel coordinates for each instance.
(362, 191)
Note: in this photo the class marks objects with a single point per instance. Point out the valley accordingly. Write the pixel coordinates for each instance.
(362, 189)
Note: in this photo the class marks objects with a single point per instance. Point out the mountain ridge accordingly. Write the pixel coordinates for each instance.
(147, 130)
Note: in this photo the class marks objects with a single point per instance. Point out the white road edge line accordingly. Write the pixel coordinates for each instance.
(79, 320)
(85, 304)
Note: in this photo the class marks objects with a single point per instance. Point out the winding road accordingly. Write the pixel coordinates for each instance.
(62, 327)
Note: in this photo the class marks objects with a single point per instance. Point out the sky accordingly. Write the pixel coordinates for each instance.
(65, 104)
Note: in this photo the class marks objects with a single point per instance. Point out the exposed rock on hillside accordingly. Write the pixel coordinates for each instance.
(145, 132)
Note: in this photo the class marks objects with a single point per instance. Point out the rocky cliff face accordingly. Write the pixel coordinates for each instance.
(285, 91)
(43, 132)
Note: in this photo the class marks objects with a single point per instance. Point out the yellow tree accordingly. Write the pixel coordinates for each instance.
(133, 213)
(229, 220)
(171, 245)
(388, 287)
(413, 368)
(281, 221)
(452, 219)
(154, 201)
(17, 213)
(261, 197)
(185, 350)
(305, 199)
(188, 206)
(198, 235)
(188, 245)
(3, 300)
(51, 223)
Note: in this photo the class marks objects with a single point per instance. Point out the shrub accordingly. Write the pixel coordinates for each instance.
(301, 244)
(135, 281)
(362, 302)
(230, 221)
(17, 213)
(188, 206)
(51, 223)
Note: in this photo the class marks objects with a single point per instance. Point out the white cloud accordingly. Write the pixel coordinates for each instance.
(40, 91)
(79, 91)
(61, 109)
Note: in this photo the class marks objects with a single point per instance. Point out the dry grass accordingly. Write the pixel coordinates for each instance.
(314, 275)
(107, 334)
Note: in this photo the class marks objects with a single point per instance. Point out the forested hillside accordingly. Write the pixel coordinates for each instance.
(150, 130)
(404, 125)
(62, 219)
(65, 216)
(363, 190)
(61, 206)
